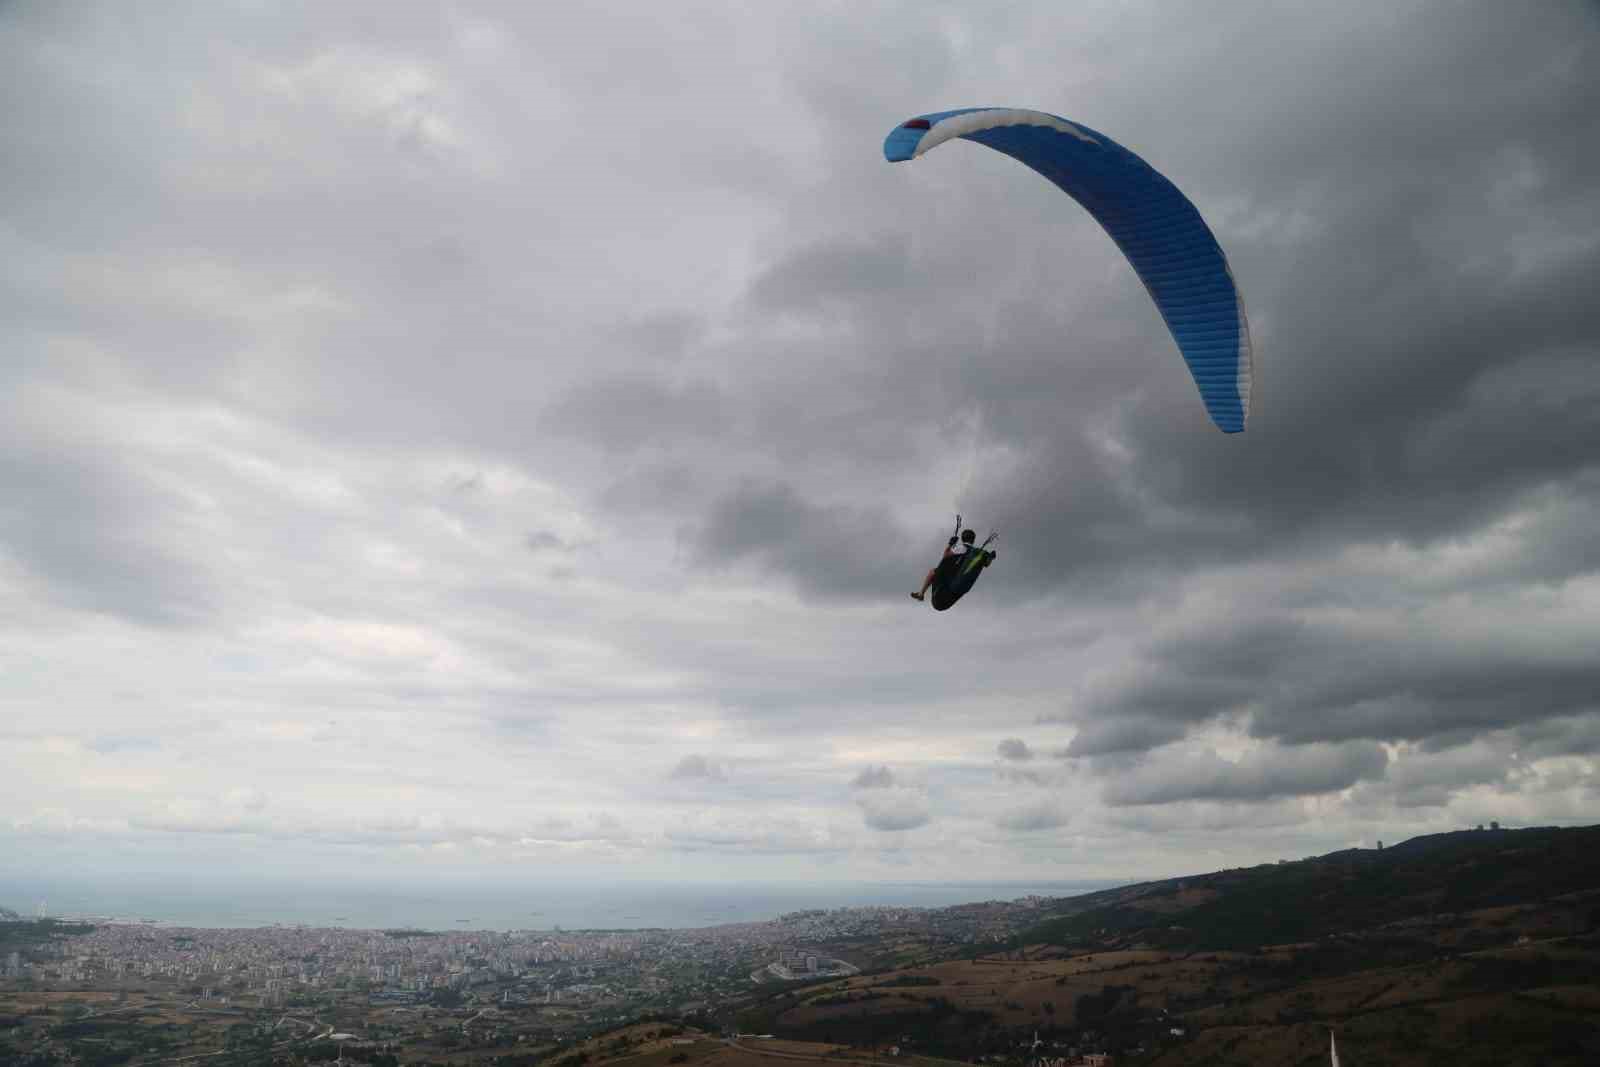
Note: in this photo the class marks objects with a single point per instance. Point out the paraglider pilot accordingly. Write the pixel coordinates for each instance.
(952, 552)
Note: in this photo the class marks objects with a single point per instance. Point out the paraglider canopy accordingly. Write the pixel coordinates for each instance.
(1158, 229)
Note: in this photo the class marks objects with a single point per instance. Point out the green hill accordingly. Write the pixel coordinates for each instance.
(1356, 889)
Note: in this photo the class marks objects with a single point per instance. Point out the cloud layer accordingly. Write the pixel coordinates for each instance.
(504, 441)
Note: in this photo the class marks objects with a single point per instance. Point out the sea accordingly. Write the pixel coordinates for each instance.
(611, 906)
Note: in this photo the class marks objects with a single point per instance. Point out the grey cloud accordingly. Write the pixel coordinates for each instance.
(545, 541)
(666, 335)
(1435, 795)
(1122, 734)
(1026, 775)
(878, 777)
(101, 535)
(624, 415)
(817, 278)
(1204, 817)
(696, 766)
(888, 805)
(387, 234)
(600, 827)
(1415, 694)
(654, 489)
(1301, 682)
(829, 550)
(1182, 682)
(894, 808)
(1568, 736)
(1042, 814)
(1275, 772)
(1429, 779)
(1411, 418)
(1014, 748)
(1554, 543)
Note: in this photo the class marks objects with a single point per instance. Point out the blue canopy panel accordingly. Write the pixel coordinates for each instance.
(1158, 229)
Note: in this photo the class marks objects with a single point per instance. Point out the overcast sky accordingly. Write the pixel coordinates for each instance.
(499, 439)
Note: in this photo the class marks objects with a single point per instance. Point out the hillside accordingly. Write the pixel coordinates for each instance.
(1355, 889)
(1469, 948)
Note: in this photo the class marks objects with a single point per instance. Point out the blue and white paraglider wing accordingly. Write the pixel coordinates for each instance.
(1158, 229)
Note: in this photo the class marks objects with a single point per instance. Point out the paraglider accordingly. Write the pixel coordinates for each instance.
(958, 570)
(1156, 227)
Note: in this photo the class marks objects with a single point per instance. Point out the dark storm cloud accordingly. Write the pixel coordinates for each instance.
(1412, 698)
(1275, 772)
(1182, 684)
(1557, 541)
(1573, 736)
(1415, 338)
(1419, 438)
(1301, 682)
(1129, 733)
(838, 550)
(963, 338)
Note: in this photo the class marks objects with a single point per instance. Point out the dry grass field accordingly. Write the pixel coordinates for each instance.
(1392, 998)
(1014, 992)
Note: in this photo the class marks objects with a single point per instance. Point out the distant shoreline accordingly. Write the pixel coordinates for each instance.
(641, 906)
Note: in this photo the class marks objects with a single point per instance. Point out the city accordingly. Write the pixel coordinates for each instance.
(272, 987)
